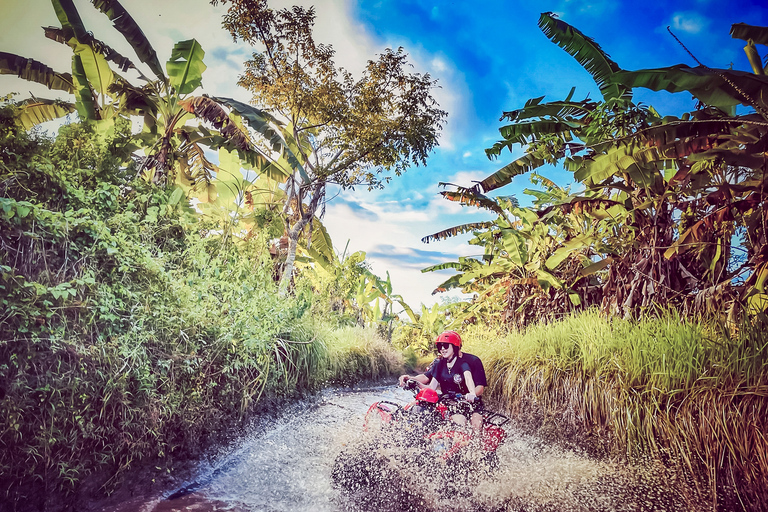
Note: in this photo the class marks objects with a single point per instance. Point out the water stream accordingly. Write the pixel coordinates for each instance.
(287, 467)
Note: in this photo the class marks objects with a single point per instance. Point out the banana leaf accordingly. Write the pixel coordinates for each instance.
(565, 109)
(262, 122)
(37, 110)
(35, 71)
(457, 230)
(321, 243)
(130, 30)
(708, 85)
(504, 176)
(61, 36)
(596, 267)
(185, 67)
(70, 19)
(522, 132)
(470, 198)
(587, 53)
(95, 67)
(86, 106)
(758, 35)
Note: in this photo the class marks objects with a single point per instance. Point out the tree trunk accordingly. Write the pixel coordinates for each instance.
(317, 195)
(293, 245)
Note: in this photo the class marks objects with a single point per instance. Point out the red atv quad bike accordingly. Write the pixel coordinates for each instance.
(417, 443)
(441, 436)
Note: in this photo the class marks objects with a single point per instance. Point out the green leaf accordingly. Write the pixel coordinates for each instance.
(70, 19)
(86, 107)
(22, 211)
(185, 67)
(35, 111)
(514, 243)
(457, 230)
(554, 109)
(34, 71)
(130, 30)
(321, 242)
(62, 36)
(503, 176)
(708, 85)
(547, 280)
(596, 267)
(96, 68)
(758, 35)
(265, 124)
(586, 52)
(176, 196)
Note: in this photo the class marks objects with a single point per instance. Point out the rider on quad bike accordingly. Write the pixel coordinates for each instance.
(456, 373)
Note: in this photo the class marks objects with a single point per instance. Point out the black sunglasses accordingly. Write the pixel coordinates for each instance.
(441, 346)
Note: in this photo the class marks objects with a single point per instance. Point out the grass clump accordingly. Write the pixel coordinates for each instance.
(681, 391)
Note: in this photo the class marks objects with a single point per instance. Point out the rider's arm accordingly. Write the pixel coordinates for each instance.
(470, 397)
(421, 379)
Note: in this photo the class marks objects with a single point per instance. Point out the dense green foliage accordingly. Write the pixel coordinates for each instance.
(691, 396)
(667, 211)
(126, 335)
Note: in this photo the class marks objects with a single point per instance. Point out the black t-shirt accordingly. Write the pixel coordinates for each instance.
(451, 379)
(475, 366)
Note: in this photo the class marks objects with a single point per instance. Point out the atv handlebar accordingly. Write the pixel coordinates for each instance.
(455, 396)
(413, 386)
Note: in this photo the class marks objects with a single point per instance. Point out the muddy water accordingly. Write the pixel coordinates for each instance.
(287, 467)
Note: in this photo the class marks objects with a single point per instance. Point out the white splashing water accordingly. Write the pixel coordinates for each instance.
(288, 467)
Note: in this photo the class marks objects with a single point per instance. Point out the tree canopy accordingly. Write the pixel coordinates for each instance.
(345, 131)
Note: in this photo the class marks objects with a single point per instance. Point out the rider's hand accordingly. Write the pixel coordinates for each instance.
(470, 397)
(403, 379)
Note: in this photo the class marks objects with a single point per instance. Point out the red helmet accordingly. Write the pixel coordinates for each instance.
(427, 395)
(451, 337)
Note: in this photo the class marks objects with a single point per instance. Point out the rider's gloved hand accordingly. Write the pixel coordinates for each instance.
(470, 397)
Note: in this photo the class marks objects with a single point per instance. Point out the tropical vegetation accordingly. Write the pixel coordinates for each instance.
(155, 296)
(667, 210)
(666, 214)
(137, 328)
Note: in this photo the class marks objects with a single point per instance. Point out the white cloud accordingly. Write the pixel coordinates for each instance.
(438, 65)
(468, 178)
(690, 22)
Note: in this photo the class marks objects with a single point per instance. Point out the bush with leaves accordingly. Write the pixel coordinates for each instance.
(130, 331)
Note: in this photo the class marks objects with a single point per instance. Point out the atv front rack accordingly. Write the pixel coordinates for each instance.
(494, 418)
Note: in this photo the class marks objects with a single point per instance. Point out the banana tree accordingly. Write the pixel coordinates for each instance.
(642, 173)
(722, 162)
(173, 150)
(533, 262)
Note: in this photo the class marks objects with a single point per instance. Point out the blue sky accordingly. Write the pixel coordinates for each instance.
(488, 57)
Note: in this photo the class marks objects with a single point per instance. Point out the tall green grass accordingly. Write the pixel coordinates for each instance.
(684, 392)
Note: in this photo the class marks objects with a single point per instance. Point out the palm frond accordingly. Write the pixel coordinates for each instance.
(35, 71)
(132, 33)
(586, 52)
(457, 230)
